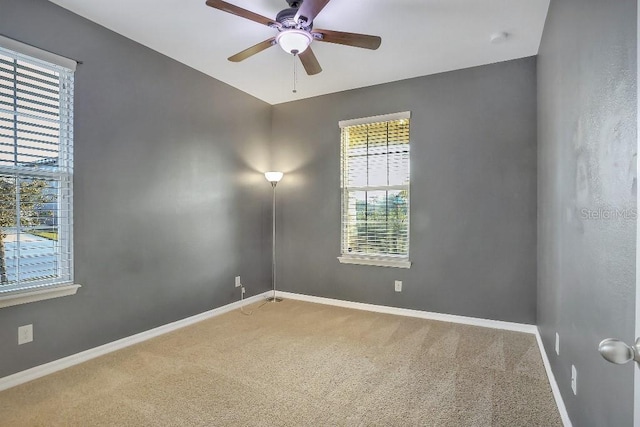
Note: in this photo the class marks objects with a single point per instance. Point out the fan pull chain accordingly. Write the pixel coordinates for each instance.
(295, 72)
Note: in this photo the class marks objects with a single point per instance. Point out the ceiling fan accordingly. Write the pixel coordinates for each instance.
(296, 32)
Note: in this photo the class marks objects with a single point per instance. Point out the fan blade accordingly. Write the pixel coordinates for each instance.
(309, 9)
(241, 56)
(349, 39)
(310, 62)
(243, 13)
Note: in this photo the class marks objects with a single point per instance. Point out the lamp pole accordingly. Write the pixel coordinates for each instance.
(273, 178)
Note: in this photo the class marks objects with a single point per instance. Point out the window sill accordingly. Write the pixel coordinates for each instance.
(377, 262)
(25, 296)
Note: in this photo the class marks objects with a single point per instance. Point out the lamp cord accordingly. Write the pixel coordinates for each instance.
(252, 311)
(273, 257)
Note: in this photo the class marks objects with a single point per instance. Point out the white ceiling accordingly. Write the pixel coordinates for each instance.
(419, 37)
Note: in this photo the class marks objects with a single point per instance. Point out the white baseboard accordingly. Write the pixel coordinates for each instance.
(75, 359)
(474, 321)
(552, 381)
(452, 318)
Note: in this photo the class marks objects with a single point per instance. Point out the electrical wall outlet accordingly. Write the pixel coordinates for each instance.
(398, 285)
(238, 283)
(574, 379)
(557, 344)
(243, 290)
(25, 334)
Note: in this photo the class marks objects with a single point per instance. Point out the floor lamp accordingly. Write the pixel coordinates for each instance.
(273, 178)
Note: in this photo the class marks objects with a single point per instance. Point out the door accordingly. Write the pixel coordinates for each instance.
(636, 394)
(612, 349)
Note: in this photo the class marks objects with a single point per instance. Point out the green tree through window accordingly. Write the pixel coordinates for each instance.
(28, 206)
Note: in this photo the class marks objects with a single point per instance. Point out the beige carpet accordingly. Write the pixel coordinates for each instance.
(300, 364)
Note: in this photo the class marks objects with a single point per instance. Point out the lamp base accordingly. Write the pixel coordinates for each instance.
(274, 299)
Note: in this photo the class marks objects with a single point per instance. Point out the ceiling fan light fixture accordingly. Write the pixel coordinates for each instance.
(294, 41)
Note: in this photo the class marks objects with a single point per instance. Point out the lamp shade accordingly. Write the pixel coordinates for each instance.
(273, 176)
(294, 41)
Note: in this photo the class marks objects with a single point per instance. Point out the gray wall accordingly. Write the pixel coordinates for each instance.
(587, 161)
(473, 193)
(170, 203)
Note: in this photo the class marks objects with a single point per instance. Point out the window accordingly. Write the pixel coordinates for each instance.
(375, 190)
(36, 171)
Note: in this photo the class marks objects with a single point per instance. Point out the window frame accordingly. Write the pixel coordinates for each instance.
(61, 284)
(389, 260)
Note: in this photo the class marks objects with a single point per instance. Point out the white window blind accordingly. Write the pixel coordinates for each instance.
(36, 171)
(375, 187)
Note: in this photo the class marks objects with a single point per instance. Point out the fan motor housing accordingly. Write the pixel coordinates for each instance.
(294, 3)
(286, 17)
